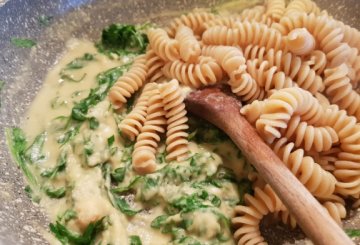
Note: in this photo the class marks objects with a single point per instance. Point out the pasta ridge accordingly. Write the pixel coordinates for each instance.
(129, 83)
(189, 46)
(166, 48)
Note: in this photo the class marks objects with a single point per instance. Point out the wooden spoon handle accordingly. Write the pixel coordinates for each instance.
(224, 112)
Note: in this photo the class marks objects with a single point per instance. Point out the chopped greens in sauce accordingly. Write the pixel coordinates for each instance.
(23, 42)
(78, 165)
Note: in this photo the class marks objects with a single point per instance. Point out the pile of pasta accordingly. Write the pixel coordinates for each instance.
(297, 71)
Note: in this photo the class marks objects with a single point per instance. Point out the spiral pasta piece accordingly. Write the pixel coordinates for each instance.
(247, 218)
(301, 6)
(268, 77)
(339, 89)
(154, 64)
(231, 59)
(325, 31)
(245, 33)
(300, 41)
(317, 61)
(176, 135)
(134, 121)
(253, 111)
(275, 9)
(143, 157)
(292, 65)
(190, 48)
(129, 83)
(205, 72)
(282, 105)
(354, 67)
(318, 181)
(228, 21)
(310, 137)
(196, 21)
(326, 159)
(165, 47)
(247, 88)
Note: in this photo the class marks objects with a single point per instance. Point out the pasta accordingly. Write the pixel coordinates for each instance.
(310, 137)
(291, 65)
(205, 72)
(300, 41)
(176, 136)
(328, 37)
(339, 89)
(301, 6)
(154, 64)
(268, 77)
(247, 222)
(129, 83)
(190, 48)
(296, 69)
(143, 160)
(134, 121)
(245, 33)
(281, 106)
(318, 181)
(196, 21)
(165, 47)
(275, 9)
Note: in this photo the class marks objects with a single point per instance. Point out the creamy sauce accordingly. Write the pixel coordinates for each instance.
(90, 159)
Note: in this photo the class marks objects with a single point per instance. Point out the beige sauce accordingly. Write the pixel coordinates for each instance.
(83, 177)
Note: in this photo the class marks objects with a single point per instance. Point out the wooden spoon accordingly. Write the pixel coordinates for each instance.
(224, 111)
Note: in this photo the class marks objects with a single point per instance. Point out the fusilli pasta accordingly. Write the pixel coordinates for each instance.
(165, 47)
(275, 9)
(176, 135)
(129, 83)
(190, 48)
(300, 41)
(154, 64)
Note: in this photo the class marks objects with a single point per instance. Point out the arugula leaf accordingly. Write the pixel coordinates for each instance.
(79, 62)
(188, 203)
(353, 232)
(23, 42)
(119, 174)
(122, 189)
(69, 214)
(34, 152)
(60, 166)
(105, 80)
(69, 78)
(135, 240)
(44, 20)
(55, 193)
(69, 135)
(124, 207)
(66, 236)
(93, 123)
(122, 39)
(17, 142)
(159, 221)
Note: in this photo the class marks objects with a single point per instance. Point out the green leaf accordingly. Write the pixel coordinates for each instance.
(119, 174)
(69, 78)
(66, 236)
(17, 142)
(105, 80)
(23, 42)
(122, 39)
(124, 207)
(55, 193)
(93, 123)
(159, 221)
(111, 140)
(60, 166)
(353, 232)
(34, 152)
(131, 185)
(44, 20)
(79, 62)
(69, 135)
(68, 215)
(135, 240)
